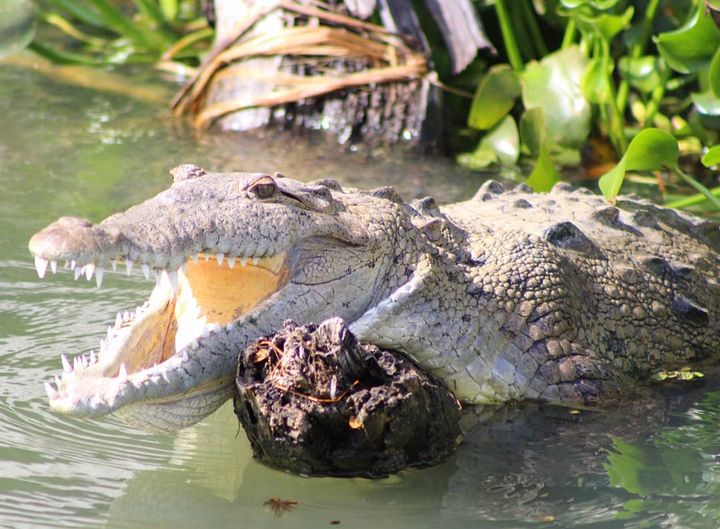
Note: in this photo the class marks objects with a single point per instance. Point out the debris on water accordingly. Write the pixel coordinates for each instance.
(315, 401)
(279, 506)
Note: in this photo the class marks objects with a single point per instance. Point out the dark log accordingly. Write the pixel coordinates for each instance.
(314, 401)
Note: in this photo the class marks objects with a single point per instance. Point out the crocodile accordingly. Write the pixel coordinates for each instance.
(511, 295)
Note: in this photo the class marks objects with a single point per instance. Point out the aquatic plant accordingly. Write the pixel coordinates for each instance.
(643, 77)
(102, 32)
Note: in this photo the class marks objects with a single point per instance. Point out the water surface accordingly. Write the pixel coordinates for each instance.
(67, 150)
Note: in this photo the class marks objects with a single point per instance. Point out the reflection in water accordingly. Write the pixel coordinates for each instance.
(71, 151)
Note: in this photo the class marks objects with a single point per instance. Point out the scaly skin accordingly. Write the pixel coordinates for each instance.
(508, 296)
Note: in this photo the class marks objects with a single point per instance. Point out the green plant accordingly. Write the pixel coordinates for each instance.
(103, 32)
(645, 75)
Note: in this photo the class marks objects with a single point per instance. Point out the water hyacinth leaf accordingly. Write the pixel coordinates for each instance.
(544, 175)
(714, 74)
(17, 25)
(494, 98)
(605, 24)
(501, 144)
(650, 150)
(596, 81)
(712, 157)
(708, 106)
(532, 130)
(554, 85)
(691, 47)
(505, 141)
(643, 73)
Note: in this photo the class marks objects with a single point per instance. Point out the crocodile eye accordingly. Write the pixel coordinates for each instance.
(264, 187)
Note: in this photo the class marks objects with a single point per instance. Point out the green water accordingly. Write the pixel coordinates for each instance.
(64, 150)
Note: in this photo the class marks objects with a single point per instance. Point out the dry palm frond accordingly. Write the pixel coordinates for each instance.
(385, 58)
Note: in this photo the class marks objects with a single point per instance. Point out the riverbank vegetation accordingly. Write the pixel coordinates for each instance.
(597, 88)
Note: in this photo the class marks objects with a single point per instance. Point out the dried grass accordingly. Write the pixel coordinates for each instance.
(386, 56)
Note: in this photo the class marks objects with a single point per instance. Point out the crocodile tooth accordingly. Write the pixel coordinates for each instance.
(66, 364)
(113, 263)
(77, 364)
(243, 260)
(40, 266)
(99, 274)
(53, 266)
(231, 262)
(109, 331)
(220, 256)
(79, 270)
(146, 271)
(230, 326)
(128, 266)
(185, 357)
(89, 270)
(207, 256)
(126, 316)
(118, 320)
(51, 392)
(58, 381)
(122, 373)
(171, 278)
(73, 265)
(196, 258)
(103, 344)
(67, 265)
(93, 358)
(255, 261)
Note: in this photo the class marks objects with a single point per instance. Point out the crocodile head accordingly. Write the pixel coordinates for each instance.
(234, 255)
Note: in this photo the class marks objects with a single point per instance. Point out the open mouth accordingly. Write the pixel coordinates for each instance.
(160, 339)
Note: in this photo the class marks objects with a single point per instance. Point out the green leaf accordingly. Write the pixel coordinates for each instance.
(501, 144)
(532, 130)
(605, 24)
(554, 85)
(120, 24)
(79, 11)
(712, 157)
(714, 74)
(65, 57)
(691, 47)
(494, 98)
(544, 175)
(170, 9)
(650, 150)
(596, 81)
(643, 73)
(152, 12)
(708, 106)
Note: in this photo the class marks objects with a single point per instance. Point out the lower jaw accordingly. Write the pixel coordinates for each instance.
(172, 415)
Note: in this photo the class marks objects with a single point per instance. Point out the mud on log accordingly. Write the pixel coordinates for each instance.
(315, 401)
